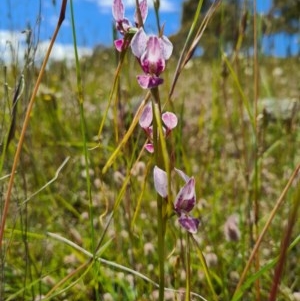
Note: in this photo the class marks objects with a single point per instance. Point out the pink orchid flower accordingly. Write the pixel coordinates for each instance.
(123, 25)
(185, 200)
(152, 53)
(169, 119)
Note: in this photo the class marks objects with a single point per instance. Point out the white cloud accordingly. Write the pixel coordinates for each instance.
(10, 44)
(62, 51)
(165, 5)
(13, 48)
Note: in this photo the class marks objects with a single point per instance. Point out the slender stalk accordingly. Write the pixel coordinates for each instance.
(161, 222)
(161, 247)
(205, 269)
(85, 149)
(83, 126)
(256, 147)
(285, 244)
(156, 4)
(188, 270)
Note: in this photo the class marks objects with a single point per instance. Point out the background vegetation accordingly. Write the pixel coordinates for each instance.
(61, 196)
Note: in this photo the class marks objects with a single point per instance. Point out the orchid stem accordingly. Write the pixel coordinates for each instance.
(188, 271)
(161, 246)
(161, 221)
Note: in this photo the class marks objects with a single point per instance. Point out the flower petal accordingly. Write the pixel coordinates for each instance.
(149, 148)
(166, 46)
(186, 198)
(160, 181)
(146, 117)
(189, 223)
(119, 44)
(144, 12)
(152, 60)
(183, 175)
(139, 43)
(148, 82)
(170, 120)
(118, 10)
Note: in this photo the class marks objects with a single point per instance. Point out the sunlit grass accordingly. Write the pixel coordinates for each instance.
(213, 141)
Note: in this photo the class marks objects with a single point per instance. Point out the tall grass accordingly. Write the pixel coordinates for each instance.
(78, 208)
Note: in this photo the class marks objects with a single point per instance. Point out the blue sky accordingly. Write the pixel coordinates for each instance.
(93, 23)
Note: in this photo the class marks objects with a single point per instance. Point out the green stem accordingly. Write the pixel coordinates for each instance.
(161, 221)
(85, 149)
(83, 128)
(188, 271)
(156, 10)
(161, 246)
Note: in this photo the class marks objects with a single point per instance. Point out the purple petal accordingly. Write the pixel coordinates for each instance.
(183, 175)
(166, 46)
(148, 82)
(118, 10)
(144, 12)
(139, 43)
(149, 148)
(152, 60)
(189, 223)
(119, 44)
(170, 120)
(160, 181)
(186, 198)
(146, 117)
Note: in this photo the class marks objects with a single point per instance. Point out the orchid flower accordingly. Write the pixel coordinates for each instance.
(185, 200)
(169, 119)
(123, 25)
(152, 53)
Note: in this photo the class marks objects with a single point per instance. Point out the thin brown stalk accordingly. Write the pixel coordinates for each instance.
(285, 244)
(26, 120)
(266, 227)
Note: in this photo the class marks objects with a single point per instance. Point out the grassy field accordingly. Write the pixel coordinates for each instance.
(78, 231)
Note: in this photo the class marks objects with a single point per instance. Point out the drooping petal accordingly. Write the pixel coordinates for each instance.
(144, 12)
(189, 223)
(148, 81)
(186, 197)
(118, 11)
(119, 44)
(166, 46)
(139, 43)
(170, 120)
(146, 117)
(183, 175)
(160, 181)
(149, 148)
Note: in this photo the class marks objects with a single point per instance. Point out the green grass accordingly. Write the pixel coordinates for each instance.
(214, 142)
